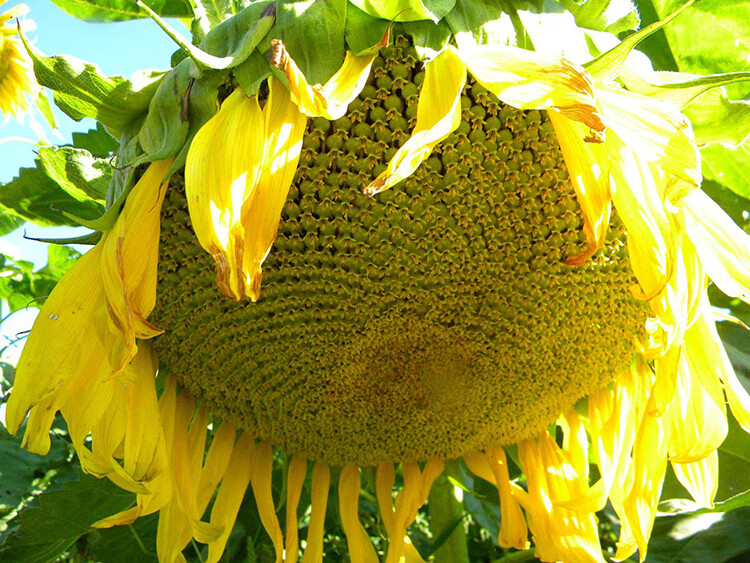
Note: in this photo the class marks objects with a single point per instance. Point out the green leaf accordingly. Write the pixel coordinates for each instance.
(9, 221)
(36, 197)
(237, 37)
(243, 35)
(728, 167)
(251, 73)
(121, 10)
(724, 121)
(89, 238)
(655, 45)
(80, 90)
(125, 544)
(97, 141)
(165, 129)
(21, 470)
(46, 530)
(482, 22)
(609, 64)
(406, 10)
(81, 175)
(313, 33)
(429, 38)
(697, 538)
(614, 16)
(44, 107)
(362, 30)
(204, 104)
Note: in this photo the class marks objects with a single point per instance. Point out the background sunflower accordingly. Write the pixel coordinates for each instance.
(462, 512)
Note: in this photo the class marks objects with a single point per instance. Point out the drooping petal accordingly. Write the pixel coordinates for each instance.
(295, 481)
(260, 480)
(529, 80)
(222, 173)
(332, 99)
(129, 262)
(321, 482)
(513, 531)
(700, 478)
(589, 170)
(655, 131)
(360, 547)
(723, 247)
(231, 492)
(438, 115)
(284, 127)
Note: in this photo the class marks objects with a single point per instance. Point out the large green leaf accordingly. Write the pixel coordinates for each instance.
(97, 141)
(45, 530)
(76, 171)
(723, 45)
(9, 220)
(20, 471)
(125, 544)
(120, 10)
(604, 15)
(81, 90)
(36, 197)
(313, 33)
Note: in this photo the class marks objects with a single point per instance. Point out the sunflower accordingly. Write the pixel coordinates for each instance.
(418, 260)
(17, 82)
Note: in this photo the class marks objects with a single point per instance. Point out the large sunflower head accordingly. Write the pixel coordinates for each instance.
(410, 258)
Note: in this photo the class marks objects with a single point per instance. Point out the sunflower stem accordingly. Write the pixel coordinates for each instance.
(446, 510)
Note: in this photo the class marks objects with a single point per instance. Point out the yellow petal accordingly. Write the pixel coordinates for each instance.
(66, 325)
(332, 99)
(295, 481)
(655, 131)
(360, 547)
(129, 261)
(513, 532)
(723, 247)
(700, 478)
(284, 128)
(589, 170)
(438, 115)
(321, 481)
(639, 204)
(229, 498)
(222, 173)
(216, 464)
(260, 479)
(527, 80)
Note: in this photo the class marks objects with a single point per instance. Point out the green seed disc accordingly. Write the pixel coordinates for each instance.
(433, 319)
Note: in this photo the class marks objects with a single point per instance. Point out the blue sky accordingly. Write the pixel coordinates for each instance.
(117, 48)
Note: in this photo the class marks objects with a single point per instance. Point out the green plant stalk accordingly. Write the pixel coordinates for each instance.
(446, 519)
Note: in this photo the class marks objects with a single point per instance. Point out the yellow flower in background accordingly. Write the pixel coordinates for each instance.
(452, 292)
(17, 82)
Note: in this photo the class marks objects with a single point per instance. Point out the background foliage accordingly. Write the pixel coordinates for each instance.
(47, 505)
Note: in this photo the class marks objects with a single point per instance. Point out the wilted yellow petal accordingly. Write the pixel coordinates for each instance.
(589, 170)
(723, 247)
(332, 99)
(222, 173)
(513, 532)
(700, 478)
(64, 329)
(654, 130)
(438, 115)
(650, 233)
(527, 80)
(284, 128)
(215, 466)
(129, 261)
